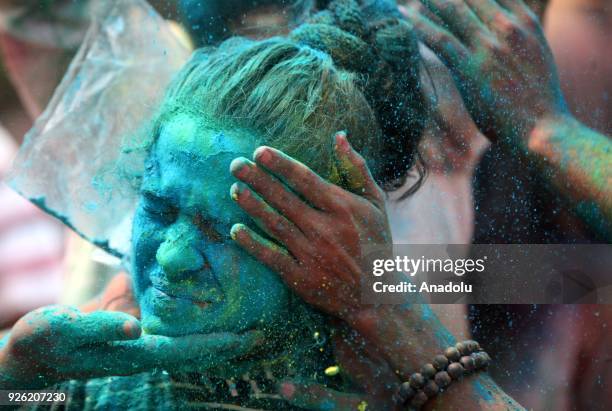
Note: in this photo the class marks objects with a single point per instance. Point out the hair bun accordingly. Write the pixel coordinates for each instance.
(397, 45)
(371, 39)
(348, 51)
(348, 17)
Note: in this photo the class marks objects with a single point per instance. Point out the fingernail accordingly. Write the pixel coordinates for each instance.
(235, 230)
(239, 166)
(234, 191)
(132, 329)
(239, 189)
(342, 142)
(262, 154)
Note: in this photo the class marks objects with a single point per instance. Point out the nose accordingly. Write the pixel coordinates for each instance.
(176, 255)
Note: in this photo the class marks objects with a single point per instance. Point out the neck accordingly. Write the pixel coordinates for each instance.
(298, 348)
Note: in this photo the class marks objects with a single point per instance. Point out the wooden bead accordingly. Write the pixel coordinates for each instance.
(472, 346)
(486, 358)
(406, 392)
(467, 363)
(428, 371)
(479, 360)
(431, 389)
(462, 348)
(440, 362)
(417, 381)
(442, 379)
(452, 354)
(419, 400)
(455, 370)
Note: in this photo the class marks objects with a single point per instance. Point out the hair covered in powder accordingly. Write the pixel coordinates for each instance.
(290, 96)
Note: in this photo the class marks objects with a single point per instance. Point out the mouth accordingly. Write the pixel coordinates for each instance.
(182, 296)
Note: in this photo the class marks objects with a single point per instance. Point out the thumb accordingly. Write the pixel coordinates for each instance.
(354, 170)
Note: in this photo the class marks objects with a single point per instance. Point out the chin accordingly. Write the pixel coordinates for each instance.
(175, 317)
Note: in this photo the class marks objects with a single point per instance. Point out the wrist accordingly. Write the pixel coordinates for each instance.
(475, 392)
(407, 335)
(547, 128)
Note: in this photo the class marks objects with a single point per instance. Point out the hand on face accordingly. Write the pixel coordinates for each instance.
(324, 230)
(499, 59)
(58, 343)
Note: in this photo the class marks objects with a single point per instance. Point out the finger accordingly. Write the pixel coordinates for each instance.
(518, 8)
(206, 349)
(415, 6)
(185, 353)
(272, 255)
(443, 43)
(273, 191)
(353, 168)
(300, 178)
(267, 218)
(100, 326)
(487, 10)
(458, 18)
(318, 397)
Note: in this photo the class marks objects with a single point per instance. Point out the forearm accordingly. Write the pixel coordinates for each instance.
(408, 336)
(577, 162)
(474, 392)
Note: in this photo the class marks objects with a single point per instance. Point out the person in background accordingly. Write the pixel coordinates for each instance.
(579, 33)
(523, 200)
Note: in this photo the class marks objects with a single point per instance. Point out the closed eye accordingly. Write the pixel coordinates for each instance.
(160, 208)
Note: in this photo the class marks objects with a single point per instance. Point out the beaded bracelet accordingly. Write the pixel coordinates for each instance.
(462, 359)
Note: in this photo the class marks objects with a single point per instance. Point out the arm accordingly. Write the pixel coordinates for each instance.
(505, 72)
(322, 261)
(410, 336)
(577, 162)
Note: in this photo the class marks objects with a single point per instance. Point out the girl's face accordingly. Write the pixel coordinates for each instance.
(189, 275)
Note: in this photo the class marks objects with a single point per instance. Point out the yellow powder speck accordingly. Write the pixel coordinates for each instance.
(331, 371)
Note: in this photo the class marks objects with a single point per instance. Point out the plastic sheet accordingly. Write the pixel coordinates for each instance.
(82, 161)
